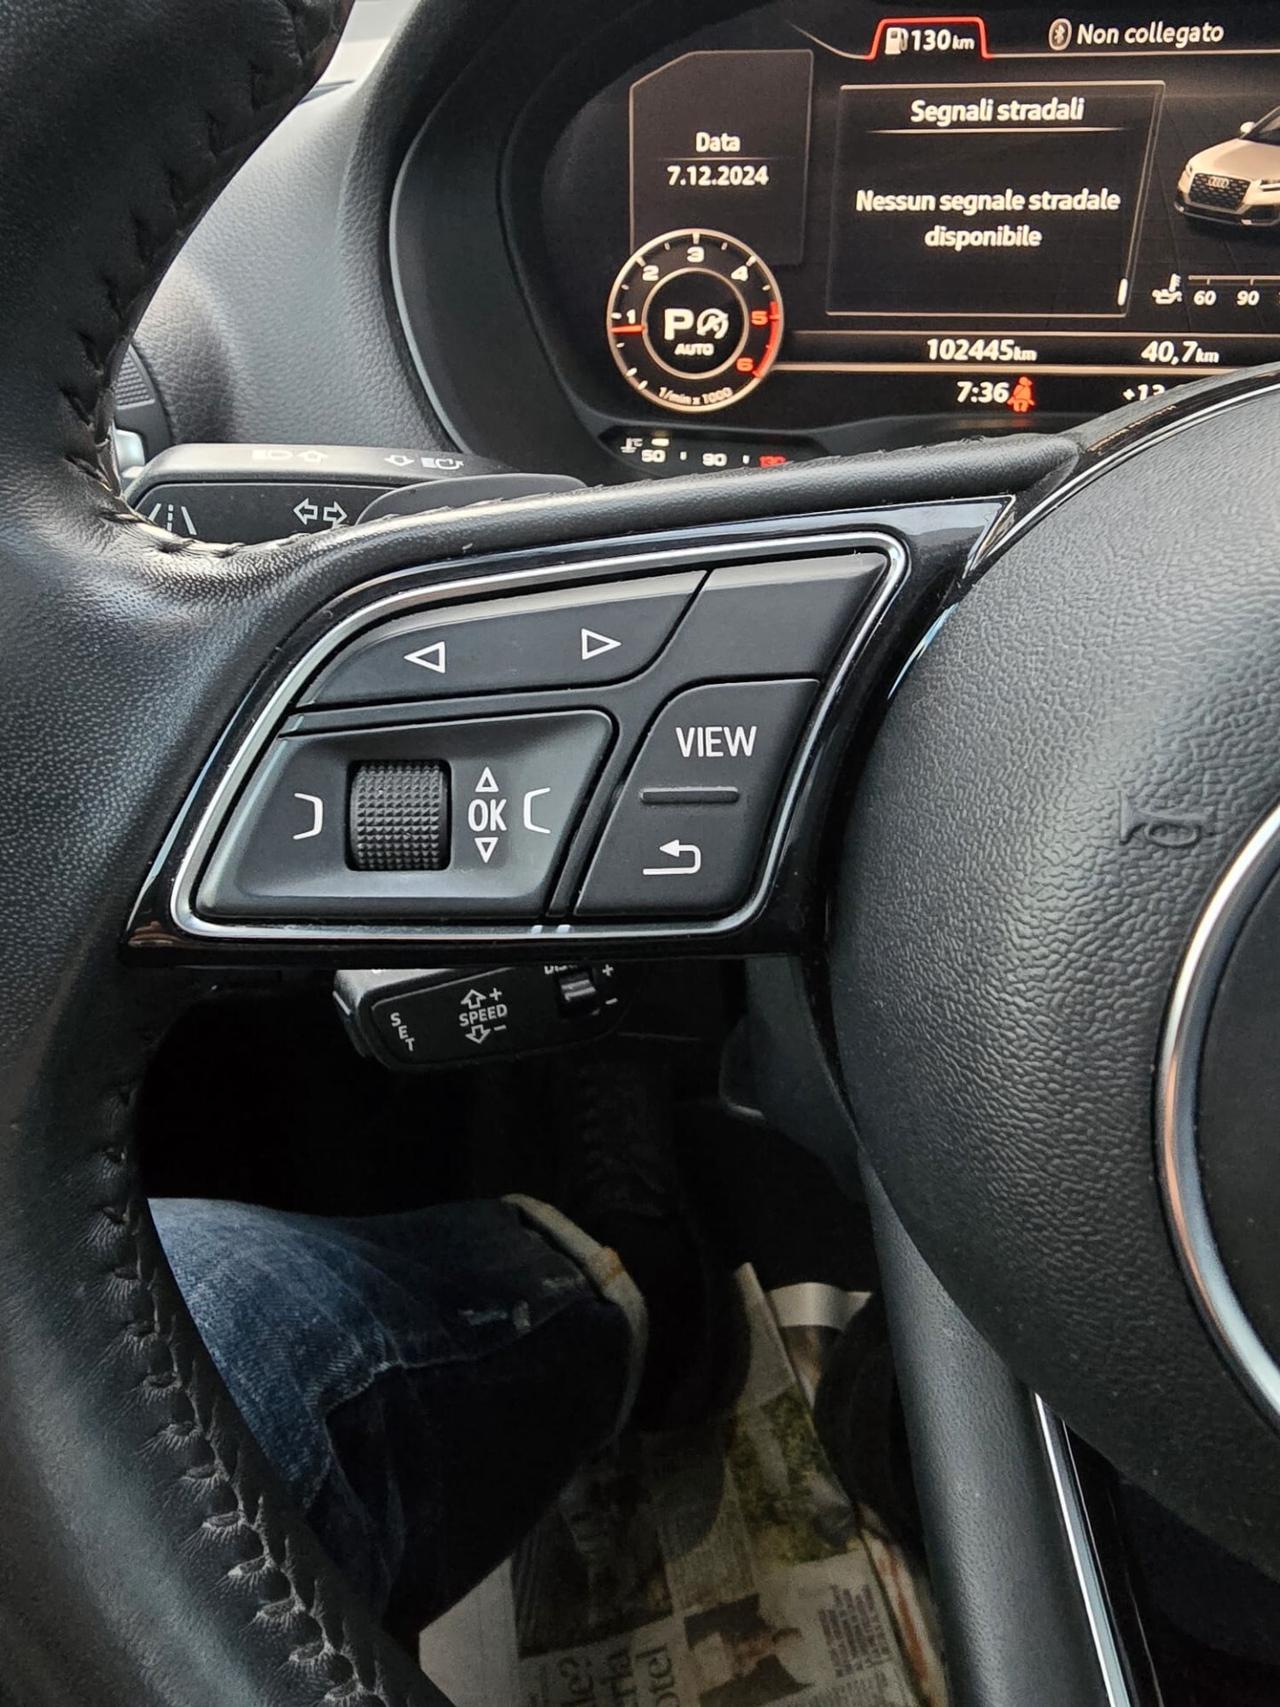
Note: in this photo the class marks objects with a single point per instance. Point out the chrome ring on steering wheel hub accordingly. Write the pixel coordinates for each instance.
(1217, 1092)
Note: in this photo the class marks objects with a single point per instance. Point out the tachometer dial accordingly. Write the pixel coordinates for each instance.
(695, 321)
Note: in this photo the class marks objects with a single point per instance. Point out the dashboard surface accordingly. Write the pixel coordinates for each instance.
(817, 214)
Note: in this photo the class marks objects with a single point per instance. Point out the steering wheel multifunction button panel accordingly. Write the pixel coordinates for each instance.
(548, 755)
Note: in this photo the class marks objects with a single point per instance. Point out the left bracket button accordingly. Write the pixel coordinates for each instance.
(302, 844)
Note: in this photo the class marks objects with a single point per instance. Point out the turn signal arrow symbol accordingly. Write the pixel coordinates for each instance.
(594, 644)
(430, 658)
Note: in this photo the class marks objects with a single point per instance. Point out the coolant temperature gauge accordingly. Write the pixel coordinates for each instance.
(695, 321)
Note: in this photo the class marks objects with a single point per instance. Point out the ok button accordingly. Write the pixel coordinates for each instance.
(687, 833)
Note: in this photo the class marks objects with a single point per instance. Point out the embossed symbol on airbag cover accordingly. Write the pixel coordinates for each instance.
(1174, 831)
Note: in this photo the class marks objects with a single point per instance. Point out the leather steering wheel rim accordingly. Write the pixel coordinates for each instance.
(149, 1555)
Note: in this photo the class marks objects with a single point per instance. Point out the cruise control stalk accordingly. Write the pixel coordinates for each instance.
(446, 1018)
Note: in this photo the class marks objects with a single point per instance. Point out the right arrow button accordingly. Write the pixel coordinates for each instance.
(687, 834)
(593, 644)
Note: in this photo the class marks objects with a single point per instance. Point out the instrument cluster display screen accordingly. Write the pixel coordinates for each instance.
(819, 212)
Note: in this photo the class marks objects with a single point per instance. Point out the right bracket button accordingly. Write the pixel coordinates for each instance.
(685, 837)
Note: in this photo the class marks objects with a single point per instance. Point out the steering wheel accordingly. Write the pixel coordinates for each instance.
(1050, 923)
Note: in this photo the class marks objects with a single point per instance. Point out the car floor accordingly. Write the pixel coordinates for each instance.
(258, 1095)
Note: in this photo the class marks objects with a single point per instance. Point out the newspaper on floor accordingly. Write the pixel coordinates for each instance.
(722, 1566)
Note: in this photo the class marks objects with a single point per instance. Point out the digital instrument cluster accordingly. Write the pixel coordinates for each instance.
(819, 213)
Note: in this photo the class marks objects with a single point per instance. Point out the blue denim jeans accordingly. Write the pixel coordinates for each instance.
(423, 1383)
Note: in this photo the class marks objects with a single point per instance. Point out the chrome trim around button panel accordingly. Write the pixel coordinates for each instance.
(555, 935)
(1084, 1557)
(1177, 1090)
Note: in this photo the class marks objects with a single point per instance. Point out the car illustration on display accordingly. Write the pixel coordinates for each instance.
(1236, 182)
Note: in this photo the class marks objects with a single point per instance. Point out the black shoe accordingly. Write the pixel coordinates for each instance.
(620, 1181)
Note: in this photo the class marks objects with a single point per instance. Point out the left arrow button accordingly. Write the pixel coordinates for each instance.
(429, 658)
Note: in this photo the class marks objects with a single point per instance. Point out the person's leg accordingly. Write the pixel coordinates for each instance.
(424, 1383)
